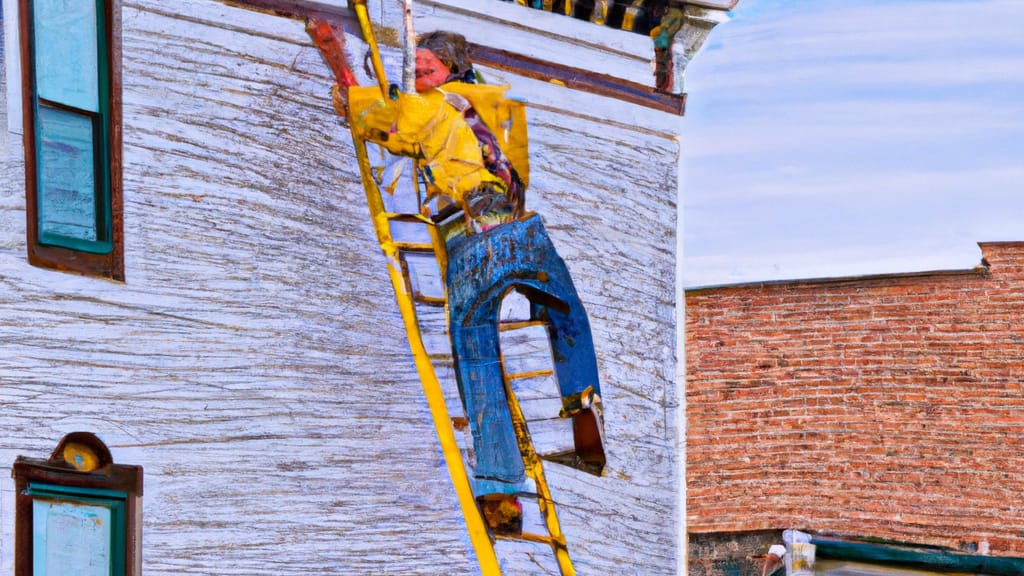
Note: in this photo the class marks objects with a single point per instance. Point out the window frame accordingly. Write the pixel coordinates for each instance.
(95, 480)
(107, 178)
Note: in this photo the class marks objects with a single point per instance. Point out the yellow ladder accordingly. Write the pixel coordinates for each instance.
(395, 252)
(330, 42)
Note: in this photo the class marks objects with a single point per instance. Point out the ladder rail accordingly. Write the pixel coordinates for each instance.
(535, 470)
(478, 533)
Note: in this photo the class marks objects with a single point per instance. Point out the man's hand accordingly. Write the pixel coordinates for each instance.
(378, 123)
(340, 100)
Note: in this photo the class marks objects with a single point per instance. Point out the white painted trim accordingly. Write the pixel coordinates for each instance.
(538, 34)
(591, 106)
(683, 542)
(12, 66)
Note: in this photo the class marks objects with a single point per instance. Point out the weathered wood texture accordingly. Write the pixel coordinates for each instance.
(254, 362)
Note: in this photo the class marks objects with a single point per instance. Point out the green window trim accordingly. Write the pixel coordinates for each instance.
(83, 225)
(113, 501)
(71, 92)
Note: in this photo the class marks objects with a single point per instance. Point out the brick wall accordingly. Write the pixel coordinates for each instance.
(884, 406)
(730, 553)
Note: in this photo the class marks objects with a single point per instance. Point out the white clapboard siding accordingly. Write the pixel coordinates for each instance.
(539, 34)
(254, 362)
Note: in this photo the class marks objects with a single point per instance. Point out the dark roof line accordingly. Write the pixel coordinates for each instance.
(300, 9)
(720, 5)
(979, 270)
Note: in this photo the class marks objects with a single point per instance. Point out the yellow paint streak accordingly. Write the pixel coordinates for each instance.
(629, 18)
(600, 14)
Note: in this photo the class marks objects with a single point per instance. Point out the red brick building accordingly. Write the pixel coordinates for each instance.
(886, 406)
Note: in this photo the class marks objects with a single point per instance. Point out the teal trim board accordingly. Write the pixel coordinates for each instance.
(931, 558)
(77, 530)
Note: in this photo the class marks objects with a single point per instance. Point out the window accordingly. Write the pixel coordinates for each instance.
(77, 512)
(71, 87)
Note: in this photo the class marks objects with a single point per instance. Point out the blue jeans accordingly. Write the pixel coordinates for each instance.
(482, 269)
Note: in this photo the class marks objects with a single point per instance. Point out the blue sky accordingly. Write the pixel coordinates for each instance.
(850, 137)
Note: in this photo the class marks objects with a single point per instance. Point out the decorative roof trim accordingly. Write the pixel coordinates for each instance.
(638, 16)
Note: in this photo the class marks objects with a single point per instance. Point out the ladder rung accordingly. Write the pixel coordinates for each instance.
(531, 537)
(414, 247)
(517, 324)
(530, 374)
(429, 300)
(408, 217)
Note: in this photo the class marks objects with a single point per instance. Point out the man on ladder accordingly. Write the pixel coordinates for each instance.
(493, 246)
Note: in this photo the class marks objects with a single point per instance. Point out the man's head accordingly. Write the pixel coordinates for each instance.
(430, 70)
(440, 57)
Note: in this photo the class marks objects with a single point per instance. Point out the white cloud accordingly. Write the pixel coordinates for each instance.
(844, 127)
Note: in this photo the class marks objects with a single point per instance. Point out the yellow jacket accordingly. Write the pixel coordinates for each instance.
(430, 127)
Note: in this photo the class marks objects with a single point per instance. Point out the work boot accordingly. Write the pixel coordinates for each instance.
(587, 432)
(503, 514)
(588, 438)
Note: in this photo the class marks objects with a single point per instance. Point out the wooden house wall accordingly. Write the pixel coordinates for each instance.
(254, 362)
